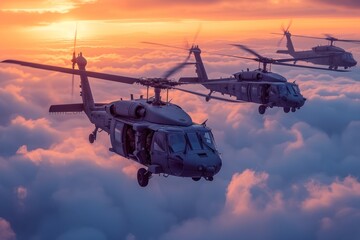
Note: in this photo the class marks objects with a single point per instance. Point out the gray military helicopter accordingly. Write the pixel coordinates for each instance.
(330, 55)
(259, 86)
(157, 134)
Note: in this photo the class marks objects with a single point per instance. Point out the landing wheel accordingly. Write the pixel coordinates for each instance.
(196, 178)
(143, 177)
(286, 109)
(262, 109)
(336, 67)
(91, 138)
(293, 109)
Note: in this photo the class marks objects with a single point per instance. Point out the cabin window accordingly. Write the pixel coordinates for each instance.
(177, 142)
(254, 89)
(243, 89)
(272, 90)
(159, 142)
(118, 134)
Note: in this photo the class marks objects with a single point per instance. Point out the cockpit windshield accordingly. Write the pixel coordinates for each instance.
(182, 142)
(295, 88)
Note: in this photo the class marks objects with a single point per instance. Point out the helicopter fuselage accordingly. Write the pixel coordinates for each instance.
(334, 57)
(159, 136)
(265, 88)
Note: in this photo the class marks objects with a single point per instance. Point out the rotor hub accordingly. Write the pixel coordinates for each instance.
(81, 61)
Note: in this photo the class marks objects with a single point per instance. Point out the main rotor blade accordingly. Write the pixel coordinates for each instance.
(197, 33)
(176, 69)
(104, 76)
(233, 56)
(182, 81)
(311, 67)
(332, 38)
(165, 45)
(303, 36)
(243, 47)
(209, 96)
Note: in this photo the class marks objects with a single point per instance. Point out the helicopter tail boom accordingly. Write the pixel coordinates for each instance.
(283, 51)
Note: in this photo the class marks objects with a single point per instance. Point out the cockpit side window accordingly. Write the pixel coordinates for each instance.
(289, 89)
(208, 140)
(282, 89)
(177, 142)
(296, 88)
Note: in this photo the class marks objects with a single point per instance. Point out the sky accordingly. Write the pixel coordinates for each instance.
(284, 176)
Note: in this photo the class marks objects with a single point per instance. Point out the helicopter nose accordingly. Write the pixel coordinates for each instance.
(206, 167)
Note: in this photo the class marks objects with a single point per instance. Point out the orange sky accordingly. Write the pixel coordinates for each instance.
(29, 23)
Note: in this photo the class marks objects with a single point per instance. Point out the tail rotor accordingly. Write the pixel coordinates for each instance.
(285, 31)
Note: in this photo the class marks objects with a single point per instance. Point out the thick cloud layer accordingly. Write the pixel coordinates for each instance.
(284, 176)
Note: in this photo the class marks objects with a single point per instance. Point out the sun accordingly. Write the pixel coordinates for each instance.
(62, 31)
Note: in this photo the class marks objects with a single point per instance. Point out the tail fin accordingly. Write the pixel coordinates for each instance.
(86, 94)
(289, 43)
(200, 68)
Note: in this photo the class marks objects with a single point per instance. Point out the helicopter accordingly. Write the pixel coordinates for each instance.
(333, 56)
(159, 135)
(259, 86)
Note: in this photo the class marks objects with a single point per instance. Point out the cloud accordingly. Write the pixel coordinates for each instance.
(328, 196)
(6, 233)
(294, 176)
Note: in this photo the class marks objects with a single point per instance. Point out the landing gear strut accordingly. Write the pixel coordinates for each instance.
(143, 177)
(92, 136)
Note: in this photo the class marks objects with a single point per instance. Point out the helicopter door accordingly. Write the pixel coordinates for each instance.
(265, 93)
(117, 130)
(159, 149)
(249, 98)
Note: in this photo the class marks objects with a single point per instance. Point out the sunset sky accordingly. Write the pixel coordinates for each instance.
(284, 176)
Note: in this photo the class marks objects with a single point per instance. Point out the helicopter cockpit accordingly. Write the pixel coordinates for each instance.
(291, 96)
(186, 152)
(349, 59)
(190, 141)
